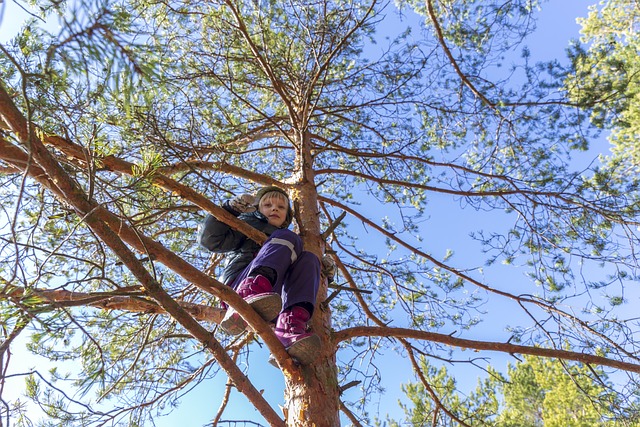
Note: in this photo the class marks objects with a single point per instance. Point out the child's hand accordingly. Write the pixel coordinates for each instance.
(243, 203)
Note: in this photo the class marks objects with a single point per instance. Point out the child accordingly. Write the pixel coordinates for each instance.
(278, 279)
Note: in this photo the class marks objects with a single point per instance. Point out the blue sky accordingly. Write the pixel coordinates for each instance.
(555, 28)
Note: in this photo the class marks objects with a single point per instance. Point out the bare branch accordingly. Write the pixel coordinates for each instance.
(116, 300)
(384, 331)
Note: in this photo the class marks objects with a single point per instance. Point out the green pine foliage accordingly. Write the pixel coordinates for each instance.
(605, 77)
(534, 392)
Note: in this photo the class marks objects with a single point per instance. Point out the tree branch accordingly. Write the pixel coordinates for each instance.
(115, 301)
(384, 331)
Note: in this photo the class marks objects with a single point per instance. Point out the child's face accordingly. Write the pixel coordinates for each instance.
(275, 209)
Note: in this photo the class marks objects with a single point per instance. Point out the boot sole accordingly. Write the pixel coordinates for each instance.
(303, 352)
(233, 323)
(268, 306)
(306, 350)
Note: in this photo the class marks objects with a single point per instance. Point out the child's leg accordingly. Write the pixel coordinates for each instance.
(301, 282)
(299, 294)
(260, 283)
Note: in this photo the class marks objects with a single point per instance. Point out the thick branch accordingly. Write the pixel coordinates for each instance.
(116, 301)
(381, 331)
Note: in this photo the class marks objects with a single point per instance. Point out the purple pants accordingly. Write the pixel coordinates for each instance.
(298, 271)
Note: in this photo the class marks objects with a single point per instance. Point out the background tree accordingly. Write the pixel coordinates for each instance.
(123, 129)
(535, 392)
(605, 78)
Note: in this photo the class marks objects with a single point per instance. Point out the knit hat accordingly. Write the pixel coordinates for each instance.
(269, 189)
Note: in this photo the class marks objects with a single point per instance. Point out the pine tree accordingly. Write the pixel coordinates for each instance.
(123, 128)
(535, 392)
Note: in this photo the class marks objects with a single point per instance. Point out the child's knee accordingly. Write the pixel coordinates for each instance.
(310, 260)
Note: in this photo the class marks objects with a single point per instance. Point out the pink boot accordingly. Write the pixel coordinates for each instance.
(291, 330)
(257, 292)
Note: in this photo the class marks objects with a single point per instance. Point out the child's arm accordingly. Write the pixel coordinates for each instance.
(217, 236)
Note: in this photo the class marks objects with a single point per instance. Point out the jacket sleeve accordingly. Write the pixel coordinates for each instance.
(216, 236)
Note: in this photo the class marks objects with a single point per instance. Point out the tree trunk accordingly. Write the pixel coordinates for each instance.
(312, 396)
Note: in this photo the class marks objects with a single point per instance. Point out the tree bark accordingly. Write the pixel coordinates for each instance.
(312, 397)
